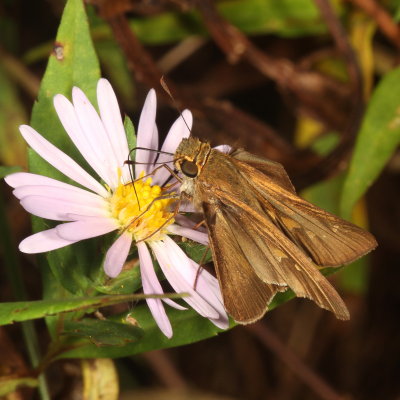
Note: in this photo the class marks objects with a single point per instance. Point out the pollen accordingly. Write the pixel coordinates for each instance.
(140, 209)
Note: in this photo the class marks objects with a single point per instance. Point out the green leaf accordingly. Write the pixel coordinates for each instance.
(130, 135)
(27, 310)
(188, 327)
(72, 63)
(376, 142)
(103, 332)
(8, 386)
(284, 17)
(128, 281)
(396, 16)
(4, 171)
(197, 252)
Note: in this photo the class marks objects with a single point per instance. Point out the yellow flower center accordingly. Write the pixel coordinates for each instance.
(143, 214)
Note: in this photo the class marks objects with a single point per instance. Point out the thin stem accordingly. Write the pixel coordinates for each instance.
(19, 73)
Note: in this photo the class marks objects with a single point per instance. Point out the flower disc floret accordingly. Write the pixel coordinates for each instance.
(140, 210)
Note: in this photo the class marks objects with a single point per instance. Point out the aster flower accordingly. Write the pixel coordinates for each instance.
(114, 203)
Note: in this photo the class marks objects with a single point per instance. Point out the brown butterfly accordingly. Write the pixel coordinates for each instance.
(263, 237)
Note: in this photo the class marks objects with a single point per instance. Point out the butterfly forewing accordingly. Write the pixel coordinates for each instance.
(326, 238)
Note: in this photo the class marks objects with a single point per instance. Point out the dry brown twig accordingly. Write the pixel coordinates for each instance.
(382, 18)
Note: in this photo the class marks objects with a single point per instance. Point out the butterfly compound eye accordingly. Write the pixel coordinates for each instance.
(189, 168)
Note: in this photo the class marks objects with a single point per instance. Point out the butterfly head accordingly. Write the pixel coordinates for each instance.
(190, 156)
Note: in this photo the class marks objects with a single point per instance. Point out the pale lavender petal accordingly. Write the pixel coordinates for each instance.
(43, 241)
(60, 160)
(145, 132)
(67, 193)
(96, 136)
(89, 150)
(153, 145)
(208, 287)
(186, 222)
(197, 236)
(187, 206)
(20, 179)
(117, 255)
(81, 230)
(180, 129)
(223, 148)
(57, 209)
(111, 117)
(173, 262)
(151, 285)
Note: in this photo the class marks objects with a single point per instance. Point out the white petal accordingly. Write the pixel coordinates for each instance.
(43, 241)
(111, 117)
(148, 274)
(20, 179)
(58, 209)
(80, 230)
(151, 285)
(153, 145)
(208, 287)
(117, 255)
(173, 262)
(180, 129)
(223, 148)
(67, 193)
(145, 132)
(96, 136)
(60, 160)
(89, 150)
(197, 236)
(186, 222)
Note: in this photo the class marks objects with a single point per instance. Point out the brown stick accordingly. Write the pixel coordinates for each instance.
(297, 366)
(382, 18)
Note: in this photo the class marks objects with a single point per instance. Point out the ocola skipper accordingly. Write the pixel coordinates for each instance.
(263, 237)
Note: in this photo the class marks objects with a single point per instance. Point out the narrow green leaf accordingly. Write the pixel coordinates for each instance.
(4, 171)
(396, 16)
(377, 140)
(26, 310)
(8, 386)
(130, 135)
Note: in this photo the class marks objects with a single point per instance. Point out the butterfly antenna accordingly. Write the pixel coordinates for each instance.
(166, 88)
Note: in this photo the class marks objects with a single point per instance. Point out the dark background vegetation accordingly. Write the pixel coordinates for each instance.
(248, 90)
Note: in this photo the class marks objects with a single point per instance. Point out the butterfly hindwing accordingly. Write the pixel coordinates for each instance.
(246, 297)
